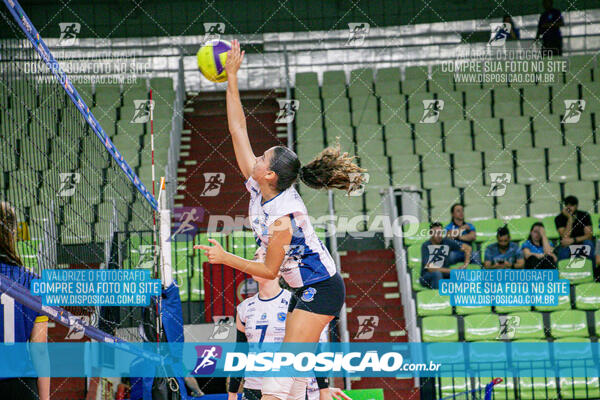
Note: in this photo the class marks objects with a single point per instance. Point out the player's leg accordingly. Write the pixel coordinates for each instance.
(311, 309)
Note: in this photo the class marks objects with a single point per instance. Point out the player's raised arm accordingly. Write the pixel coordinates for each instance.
(235, 114)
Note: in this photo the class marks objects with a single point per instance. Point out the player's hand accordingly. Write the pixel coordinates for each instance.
(333, 393)
(566, 212)
(464, 266)
(232, 396)
(215, 254)
(234, 58)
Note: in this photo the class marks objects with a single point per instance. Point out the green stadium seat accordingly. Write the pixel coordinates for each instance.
(511, 309)
(369, 133)
(508, 209)
(333, 91)
(431, 161)
(530, 326)
(564, 303)
(538, 109)
(486, 229)
(578, 135)
(536, 93)
(338, 118)
(590, 171)
(108, 96)
(428, 138)
(475, 97)
(243, 244)
(547, 132)
(478, 110)
(415, 79)
(33, 155)
(579, 388)
(583, 190)
(576, 271)
(549, 225)
(408, 177)
(364, 110)
(519, 227)
(436, 178)
(534, 388)
(161, 83)
(458, 141)
(439, 329)
(307, 79)
(498, 160)
(309, 102)
(481, 327)
(415, 233)
(136, 92)
(544, 190)
(587, 296)
(451, 112)
(317, 202)
(448, 387)
(387, 81)
(430, 302)
(400, 147)
(544, 208)
(413, 255)
(348, 205)
(476, 194)
(530, 173)
(444, 196)
(560, 93)
(447, 94)
(361, 82)
(568, 323)
(506, 95)
(335, 104)
(562, 172)
(74, 232)
(516, 125)
(467, 159)
(487, 140)
(334, 78)
(415, 274)
(29, 252)
(564, 154)
(517, 140)
(481, 211)
(469, 310)
(464, 177)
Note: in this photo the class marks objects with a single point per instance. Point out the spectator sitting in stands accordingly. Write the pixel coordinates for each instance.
(515, 33)
(537, 249)
(549, 30)
(463, 232)
(575, 228)
(503, 253)
(435, 260)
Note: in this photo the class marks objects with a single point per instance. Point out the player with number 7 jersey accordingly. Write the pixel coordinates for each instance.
(261, 318)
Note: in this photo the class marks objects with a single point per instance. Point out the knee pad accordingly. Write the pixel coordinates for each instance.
(285, 388)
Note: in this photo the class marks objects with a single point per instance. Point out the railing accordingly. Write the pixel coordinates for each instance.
(404, 284)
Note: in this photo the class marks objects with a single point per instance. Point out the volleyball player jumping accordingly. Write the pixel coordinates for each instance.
(284, 232)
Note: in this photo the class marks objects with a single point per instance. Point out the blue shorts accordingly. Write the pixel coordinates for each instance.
(325, 297)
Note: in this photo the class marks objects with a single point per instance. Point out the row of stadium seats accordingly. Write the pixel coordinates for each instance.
(586, 297)
(485, 326)
(524, 388)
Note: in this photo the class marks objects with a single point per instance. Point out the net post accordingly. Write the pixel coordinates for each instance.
(166, 272)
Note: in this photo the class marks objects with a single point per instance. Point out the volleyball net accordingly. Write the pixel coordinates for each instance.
(81, 168)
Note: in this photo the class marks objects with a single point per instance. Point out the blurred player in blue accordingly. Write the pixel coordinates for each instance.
(17, 322)
(261, 318)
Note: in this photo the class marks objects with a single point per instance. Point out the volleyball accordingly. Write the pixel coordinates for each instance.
(211, 60)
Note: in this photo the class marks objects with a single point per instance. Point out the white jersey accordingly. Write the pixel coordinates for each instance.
(307, 260)
(264, 321)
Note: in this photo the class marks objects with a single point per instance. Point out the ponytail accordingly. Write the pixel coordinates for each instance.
(332, 169)
(8, 230)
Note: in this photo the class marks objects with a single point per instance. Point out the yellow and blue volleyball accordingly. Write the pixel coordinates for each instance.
(211, 60)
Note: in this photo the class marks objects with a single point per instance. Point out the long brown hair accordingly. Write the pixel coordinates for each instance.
(8, 233)
(332, 169)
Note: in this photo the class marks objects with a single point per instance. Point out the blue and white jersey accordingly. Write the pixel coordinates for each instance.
(264, 321)
(307, 260)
